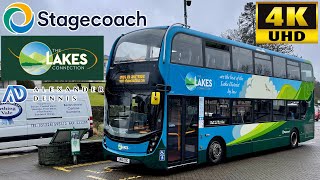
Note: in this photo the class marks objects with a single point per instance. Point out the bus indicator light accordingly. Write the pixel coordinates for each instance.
(286, 22)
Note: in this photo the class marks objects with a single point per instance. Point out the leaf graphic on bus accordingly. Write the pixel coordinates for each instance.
(287, 92)
(190, 81)
(305, 91)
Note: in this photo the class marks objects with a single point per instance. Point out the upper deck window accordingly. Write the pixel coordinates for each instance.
(217, 56)
(306, 72)
(279, 67)
(293, 70)
(139, 46)
(263, 65)
(187, 50)
(242, 60)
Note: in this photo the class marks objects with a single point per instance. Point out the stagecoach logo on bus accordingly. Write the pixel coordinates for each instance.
(194, 81)
(52, 58)
(122, 147)
(72, 22)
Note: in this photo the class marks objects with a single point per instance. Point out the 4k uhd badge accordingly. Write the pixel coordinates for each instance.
(286, 22)
(52, 58)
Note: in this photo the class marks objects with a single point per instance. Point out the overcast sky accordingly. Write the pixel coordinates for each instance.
(209, 16)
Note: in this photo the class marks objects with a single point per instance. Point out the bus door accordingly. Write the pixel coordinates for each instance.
(182, 131)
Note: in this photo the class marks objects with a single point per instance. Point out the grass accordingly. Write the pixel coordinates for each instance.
(96, 99)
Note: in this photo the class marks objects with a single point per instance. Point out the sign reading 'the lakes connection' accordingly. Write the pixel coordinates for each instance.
(52, 57)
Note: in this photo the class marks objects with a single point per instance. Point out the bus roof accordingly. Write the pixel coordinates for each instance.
(231, 42)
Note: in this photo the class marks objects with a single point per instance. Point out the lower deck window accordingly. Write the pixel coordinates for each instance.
(279, 110)
(293, 110)
(217, 112)
(303, 107)
(241, 112)
(262, 110)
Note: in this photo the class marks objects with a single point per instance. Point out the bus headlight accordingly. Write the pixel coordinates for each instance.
(104, 142)
(153, 143)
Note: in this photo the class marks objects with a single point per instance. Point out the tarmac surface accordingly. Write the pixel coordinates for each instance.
(300, 163)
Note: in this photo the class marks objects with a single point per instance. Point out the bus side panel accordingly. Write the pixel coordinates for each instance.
(278, 136)
(239, 149)
(306, 127)
(246, 138)
(228, 134)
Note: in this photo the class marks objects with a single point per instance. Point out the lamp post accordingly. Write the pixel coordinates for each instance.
(186, 3)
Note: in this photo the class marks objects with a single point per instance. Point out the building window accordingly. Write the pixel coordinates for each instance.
(217, 56)
(293, 70)
(242, 60)
(263, 65)
(241, 112)
(293, 110)
(279, 67)
(217, 112)
(262, 110)
(187, 50)
(306, 72)
(279, 110)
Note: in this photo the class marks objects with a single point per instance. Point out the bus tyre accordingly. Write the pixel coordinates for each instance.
(294, 138)
(216, 151)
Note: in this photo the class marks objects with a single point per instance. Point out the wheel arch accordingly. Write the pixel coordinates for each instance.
(298, 132)
(223, 143)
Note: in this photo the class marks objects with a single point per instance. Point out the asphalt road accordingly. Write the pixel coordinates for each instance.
(301, 163)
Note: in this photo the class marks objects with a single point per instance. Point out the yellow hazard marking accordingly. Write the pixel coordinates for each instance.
(108, 169)
(67, 168)
(11, 156)
(105, 170)
(96, 172)
(97, 178)
(61, 169)
(115, 168)
(132, 177)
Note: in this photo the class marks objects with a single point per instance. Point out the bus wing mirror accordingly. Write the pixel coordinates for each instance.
(155, 98)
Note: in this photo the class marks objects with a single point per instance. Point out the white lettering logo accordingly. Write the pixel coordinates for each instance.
(193, 81)
(285, 132)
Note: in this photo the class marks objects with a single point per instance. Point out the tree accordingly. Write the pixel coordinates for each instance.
(27, 83)
(246, 31)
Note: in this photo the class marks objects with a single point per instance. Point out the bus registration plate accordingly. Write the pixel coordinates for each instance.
(123, 160)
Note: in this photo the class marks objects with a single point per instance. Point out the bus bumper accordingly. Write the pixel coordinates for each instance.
(151, 160)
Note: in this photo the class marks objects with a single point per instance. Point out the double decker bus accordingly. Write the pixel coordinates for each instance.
(176, 96)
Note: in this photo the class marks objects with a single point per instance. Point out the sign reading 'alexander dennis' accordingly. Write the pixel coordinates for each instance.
(52, 58)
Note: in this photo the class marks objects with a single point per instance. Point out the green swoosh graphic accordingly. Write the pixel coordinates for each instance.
(305, 91)
(260, 130)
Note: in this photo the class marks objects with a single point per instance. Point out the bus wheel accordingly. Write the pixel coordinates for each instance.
(294, 138)
(216, 151)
